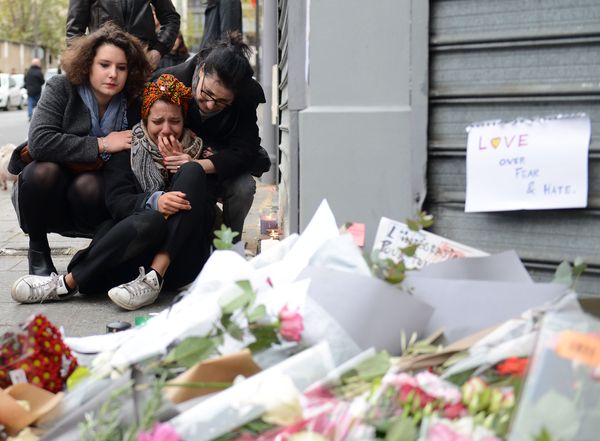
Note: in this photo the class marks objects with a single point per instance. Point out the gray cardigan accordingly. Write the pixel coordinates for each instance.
(60, 127)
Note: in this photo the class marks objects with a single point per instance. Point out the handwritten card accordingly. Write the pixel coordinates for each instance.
(392, 236)
(528, 165)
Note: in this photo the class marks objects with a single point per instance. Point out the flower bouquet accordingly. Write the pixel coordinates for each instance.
(35, 353)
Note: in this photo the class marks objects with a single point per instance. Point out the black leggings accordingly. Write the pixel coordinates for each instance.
(53, 199)
(119, 248)
(189, 233)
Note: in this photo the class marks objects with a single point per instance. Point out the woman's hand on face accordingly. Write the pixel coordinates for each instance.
(176, 160)
(118, 141)
(169, 145)
(172, 202)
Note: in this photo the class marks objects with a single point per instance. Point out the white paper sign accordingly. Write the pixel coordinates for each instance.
(393, 235)
(528, 165)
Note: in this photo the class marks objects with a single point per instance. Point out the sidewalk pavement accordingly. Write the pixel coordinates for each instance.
(83, 315)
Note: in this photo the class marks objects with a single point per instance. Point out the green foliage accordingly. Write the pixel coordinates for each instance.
(236, 300)
(395, 272)
(402, 429)
(543, 436)
(224, 238)
(266, 336)
(105, 424)
(34, 21)
(191, 351)
(567, 274)
(373, 367)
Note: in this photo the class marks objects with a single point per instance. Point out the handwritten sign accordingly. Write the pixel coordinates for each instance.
(392, 236)
(528, 165)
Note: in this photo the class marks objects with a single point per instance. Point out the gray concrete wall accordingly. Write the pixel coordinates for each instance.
(363, 133)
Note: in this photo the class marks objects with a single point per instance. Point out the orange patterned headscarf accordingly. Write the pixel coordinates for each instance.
(169, 87)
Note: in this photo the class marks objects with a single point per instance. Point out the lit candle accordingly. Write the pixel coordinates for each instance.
(268, 221)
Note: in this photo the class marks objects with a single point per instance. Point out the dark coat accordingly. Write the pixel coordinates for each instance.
(137, 19)
(34, 79)
(233, 132)
(124, 195)
(60, 127)
(220, 16)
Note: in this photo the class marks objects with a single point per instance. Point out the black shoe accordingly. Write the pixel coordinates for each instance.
(40, 263)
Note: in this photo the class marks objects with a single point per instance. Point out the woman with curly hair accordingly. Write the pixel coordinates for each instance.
(162, 216)
(81, 119)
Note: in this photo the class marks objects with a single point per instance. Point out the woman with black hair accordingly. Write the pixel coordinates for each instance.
(223, 114)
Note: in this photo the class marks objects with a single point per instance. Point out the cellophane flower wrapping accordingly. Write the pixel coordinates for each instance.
(559, 400)
(35, 352)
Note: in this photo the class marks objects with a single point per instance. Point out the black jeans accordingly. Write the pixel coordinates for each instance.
(119, 248)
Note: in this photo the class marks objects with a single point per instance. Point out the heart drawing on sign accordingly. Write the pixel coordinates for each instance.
(495, 142)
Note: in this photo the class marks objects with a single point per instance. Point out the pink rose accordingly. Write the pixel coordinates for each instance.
(453, 411)
(160, 432)
(291, 324)
(441, 432)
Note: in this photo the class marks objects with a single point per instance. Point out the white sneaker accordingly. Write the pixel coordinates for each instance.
(137, 293)
(34, 289)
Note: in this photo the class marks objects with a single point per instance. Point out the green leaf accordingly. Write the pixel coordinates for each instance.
(413, 225)
(395, 273)
(224, 238)
(247, 288)
(425, 219)
(233, 300)
(544, 435)
(258, 426)
(191, 351)
(410, 250)
(402, 429)
(373, 367)
(235, 331)
(266, 336)
(579, 266)
(563, 274)
(256, 314)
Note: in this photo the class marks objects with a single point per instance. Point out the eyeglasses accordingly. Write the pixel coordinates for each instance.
(207, 96)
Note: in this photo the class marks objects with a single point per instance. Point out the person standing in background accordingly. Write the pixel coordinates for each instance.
(133, 16)
(34, 79)
(220, 16)
(179, 54)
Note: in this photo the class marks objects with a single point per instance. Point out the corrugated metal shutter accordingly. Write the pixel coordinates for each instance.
(504, 60)
(283, 117)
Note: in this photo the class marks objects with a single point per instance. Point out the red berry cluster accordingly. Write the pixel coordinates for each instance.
(37, 349)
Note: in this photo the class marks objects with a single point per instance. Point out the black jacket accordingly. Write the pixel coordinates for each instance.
(34, 78)
(135, 16)
(123, 193)
(233, 133)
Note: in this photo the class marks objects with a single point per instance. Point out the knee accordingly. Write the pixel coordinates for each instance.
(150, 224)
(242, 187)
(42, 175)
(193, 170)
(87, 189)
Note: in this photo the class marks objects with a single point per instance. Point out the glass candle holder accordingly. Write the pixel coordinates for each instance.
(268, 221)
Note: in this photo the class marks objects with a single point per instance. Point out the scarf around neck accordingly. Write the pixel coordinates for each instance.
(147, 162)
(115, 117)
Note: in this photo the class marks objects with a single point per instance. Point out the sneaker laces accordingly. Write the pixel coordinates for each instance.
(41, 290)
(138, 286)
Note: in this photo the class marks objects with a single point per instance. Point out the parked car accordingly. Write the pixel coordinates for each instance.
(10, 94)
(20, 80)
